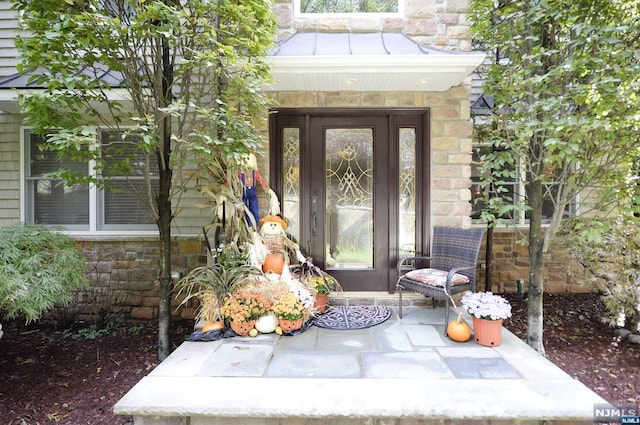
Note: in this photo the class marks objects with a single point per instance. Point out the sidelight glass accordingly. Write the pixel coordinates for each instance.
(291, 180)
(407, 192)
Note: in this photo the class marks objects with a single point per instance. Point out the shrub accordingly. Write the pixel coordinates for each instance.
(39, 268)
(613, 266)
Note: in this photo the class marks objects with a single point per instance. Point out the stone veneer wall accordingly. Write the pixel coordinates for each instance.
(439, 24)
(124, 281)
(123, 276)
(561, 272)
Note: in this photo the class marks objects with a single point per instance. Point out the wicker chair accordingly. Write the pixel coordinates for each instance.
(449, 270)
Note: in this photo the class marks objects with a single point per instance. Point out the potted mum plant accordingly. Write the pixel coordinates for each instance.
(290, 311)
(322, 285)
(242, 310)
(488, 311)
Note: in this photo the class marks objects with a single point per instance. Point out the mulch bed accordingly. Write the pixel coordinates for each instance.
(47, 378)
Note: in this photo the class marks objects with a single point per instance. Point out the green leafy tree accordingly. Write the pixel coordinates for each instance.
(183, 82)
(566, 89)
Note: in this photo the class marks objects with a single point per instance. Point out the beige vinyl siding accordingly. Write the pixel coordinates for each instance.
(9, 169)
(8, 27)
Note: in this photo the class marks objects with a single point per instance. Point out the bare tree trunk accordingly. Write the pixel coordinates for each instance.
(488, 277)
(536, 263)
(165, 214)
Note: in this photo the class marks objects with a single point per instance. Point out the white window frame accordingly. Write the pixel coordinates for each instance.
(298, 13)
(96, 223)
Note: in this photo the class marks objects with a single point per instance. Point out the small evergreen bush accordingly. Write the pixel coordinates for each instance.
(39, 268)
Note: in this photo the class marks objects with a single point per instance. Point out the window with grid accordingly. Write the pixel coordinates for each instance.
(119, 204)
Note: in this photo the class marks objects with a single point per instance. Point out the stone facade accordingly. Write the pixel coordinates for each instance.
(124, 279)
(123, 275)
(440, 24)
(123, 269)
(561, 273)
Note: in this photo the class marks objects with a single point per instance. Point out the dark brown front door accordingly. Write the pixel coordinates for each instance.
(347, 182)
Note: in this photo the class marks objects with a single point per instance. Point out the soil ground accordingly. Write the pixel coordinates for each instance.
(50, 376)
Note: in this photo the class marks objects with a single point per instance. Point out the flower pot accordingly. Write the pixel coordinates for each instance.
(321, 302)
(242, 328)
(487, 332)
(290, 325)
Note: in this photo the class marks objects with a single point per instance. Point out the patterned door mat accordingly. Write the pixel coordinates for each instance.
(352, 317)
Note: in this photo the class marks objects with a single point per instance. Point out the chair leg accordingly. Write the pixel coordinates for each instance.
(433, 302)
(399, 301)
(446, 317)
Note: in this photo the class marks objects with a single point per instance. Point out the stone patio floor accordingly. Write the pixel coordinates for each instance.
(400, 372)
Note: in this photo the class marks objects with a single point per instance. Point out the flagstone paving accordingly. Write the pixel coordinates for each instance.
(405, 370)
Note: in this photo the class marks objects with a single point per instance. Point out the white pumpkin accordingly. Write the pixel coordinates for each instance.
(267, 323)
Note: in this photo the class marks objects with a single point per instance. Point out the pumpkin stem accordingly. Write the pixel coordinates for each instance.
(459, 317)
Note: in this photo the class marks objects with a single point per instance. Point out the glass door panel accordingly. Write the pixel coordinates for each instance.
(349, 198)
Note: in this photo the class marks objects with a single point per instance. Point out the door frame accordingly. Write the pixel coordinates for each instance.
(397, 118)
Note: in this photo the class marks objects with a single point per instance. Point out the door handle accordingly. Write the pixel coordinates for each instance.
(314, 215)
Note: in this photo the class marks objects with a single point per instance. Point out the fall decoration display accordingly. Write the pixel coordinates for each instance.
(267, 323)
(274, 263)
(458, 330)
(209, 326)
(245, 306)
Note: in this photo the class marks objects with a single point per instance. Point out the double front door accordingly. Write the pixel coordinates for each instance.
(354, 188)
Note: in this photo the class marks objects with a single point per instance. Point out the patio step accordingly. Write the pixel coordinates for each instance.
(401, 372)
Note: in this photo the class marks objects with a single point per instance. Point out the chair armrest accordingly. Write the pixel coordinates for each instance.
(407, 259)
(452, 272)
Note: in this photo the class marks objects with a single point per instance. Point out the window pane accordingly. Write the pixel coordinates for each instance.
(124, 199)
(291, 183)
(51, 201)
(348, 6)
(407, 192)
(124, 205)
(508, 187)
(57, 204)
(123, 156)
(349, 197)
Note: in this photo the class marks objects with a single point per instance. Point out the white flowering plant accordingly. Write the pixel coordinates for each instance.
(486, 305)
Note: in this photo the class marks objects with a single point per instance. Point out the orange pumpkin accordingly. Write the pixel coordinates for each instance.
(273, 263)
(212, 325)
(458, 330)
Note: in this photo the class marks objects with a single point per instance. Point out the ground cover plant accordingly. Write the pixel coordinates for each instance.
(51, 377)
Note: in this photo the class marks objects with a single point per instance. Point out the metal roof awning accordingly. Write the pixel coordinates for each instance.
(318, 61)
(13, 85)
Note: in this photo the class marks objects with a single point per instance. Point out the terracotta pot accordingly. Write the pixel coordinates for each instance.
(290, 325)
(242, 328)
(487, 332)
(321, 302)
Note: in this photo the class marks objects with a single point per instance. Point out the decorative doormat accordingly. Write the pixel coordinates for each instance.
(352, 317)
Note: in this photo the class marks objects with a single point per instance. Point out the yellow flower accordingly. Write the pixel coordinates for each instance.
(288, 307)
